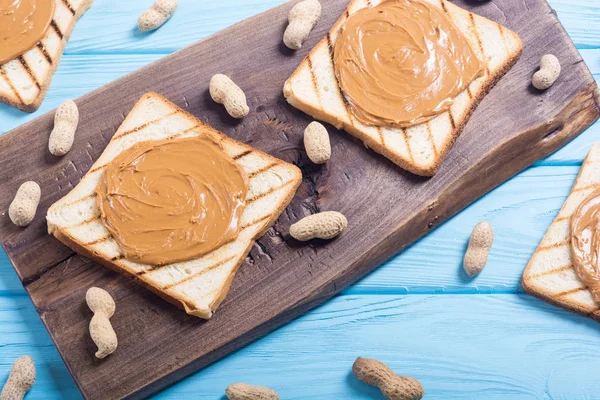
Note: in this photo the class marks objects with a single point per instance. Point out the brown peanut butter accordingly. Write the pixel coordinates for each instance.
(402, 63)
(23, 23)
(167, 201)
(585, 243)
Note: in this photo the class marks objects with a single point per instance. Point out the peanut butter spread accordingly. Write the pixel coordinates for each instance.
(23, 23)
(167, 201)
(402, 63)
(585, 243)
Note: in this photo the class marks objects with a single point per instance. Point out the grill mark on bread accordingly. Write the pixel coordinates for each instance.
(369, 3)
(242, 154)
(183, 132)
(378, 129)
(451, 118)
(117, 258)
(562, 268)
(469, 92)
(84, 198)
(268, 192)
(475, 32)
(256, 221)
(68, 5)
(313, 78)
(560, 219)
(100, 240)
(44, 52)
(85, 221)
(430, 134)
(199, 273)
(586, 187)
(10, 84)
(443, 6)
(570, 291)
(263, 169)
(28, 70)
(406, 141)
(140, 127)
(54, 26)
(553, 245)
(501, 30)
(337, 83)
(347, 13)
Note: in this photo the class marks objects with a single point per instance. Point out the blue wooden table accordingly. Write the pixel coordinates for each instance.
(462, 338)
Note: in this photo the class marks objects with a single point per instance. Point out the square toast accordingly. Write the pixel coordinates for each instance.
(420, 149)
(199, 285)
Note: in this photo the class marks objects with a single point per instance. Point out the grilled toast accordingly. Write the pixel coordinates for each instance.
(24, 81)
(420, 149)
(199, 285)
(549, 274)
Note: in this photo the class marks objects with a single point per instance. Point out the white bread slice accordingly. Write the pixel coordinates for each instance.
(549, 274)
(24, 81)
(199, 285)
(313, 88)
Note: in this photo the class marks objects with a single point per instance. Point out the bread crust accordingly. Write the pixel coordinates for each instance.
(322, 115)
(45, 85)
(59, 233)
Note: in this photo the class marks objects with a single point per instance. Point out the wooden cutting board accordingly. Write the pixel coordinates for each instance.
(387, 208)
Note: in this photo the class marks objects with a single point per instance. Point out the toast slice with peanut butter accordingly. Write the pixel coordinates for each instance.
(198, 285)
(419, 148)
(550, 274)
(25, 80)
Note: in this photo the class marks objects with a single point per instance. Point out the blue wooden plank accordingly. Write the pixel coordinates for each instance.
(22, 333)
(194, 20)
(459, 347)
(478, 346)
(580, 18)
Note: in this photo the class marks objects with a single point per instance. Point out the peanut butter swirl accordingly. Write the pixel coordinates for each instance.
(402, 63)
(23, 23)
(585, 243)
(167, 201)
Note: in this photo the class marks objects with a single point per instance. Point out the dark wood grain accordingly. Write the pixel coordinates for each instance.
(387, 208)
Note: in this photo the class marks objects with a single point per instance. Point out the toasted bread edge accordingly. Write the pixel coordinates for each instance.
(45, 85)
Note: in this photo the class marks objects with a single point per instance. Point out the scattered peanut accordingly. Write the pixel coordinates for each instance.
(20, 379)
(22, 209)
(243, 391)
(302, 17)
(478, 249)
(101, 331)
(548, 73)
(393, 387)
(323, 225)
(224, 91)
(157, 15)
(316, 143)
(66, 119)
